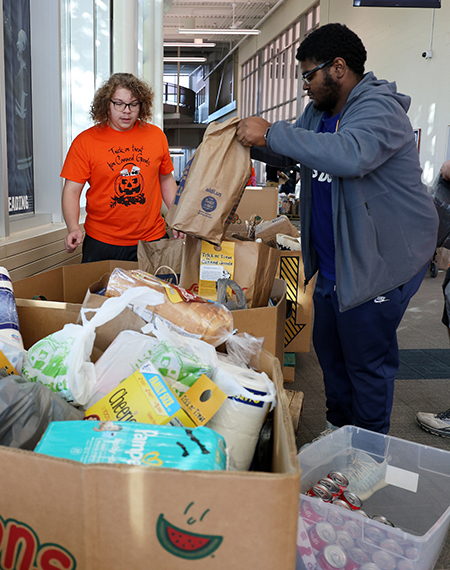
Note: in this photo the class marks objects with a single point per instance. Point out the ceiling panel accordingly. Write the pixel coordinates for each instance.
(212, 14)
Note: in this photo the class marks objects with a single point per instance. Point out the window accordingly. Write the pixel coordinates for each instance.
(270, 79)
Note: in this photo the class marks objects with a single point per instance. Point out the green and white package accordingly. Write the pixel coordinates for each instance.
(62, 360)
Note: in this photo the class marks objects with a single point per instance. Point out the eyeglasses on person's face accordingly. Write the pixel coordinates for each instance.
(306, 76)
(121, 106)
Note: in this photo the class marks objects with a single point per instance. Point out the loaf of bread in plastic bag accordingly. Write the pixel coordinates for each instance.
(207, 320)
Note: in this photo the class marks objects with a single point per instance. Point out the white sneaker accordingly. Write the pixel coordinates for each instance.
(365, 475)
(437, 424)
(329, 428)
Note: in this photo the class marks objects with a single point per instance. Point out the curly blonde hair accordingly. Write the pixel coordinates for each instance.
(99, 110)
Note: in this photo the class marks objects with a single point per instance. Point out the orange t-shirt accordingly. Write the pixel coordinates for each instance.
(123, 203)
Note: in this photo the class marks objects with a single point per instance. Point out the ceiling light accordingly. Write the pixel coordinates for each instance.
(189, 44)
(184, 59)
(221, 31)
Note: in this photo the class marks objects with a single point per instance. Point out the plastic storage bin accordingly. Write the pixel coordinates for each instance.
(415, 499)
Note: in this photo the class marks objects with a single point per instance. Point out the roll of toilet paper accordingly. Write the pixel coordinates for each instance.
(251, 395)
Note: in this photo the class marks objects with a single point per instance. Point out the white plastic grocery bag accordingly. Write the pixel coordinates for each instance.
(61, 360)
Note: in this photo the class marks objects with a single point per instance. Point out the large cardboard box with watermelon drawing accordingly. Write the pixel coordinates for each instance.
(61, 514)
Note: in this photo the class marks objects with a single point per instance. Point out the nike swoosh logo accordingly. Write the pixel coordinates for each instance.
(380, 299)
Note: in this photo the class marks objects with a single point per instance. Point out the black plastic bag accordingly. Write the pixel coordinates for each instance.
(26, 409)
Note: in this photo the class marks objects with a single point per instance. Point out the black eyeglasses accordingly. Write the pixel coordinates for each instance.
(307, 75)
(121, 106)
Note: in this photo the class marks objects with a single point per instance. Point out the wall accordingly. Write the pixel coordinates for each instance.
(395, 39)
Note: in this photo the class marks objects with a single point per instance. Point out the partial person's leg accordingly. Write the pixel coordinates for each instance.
(327, 344)
(95, 250)
(439, 423)
(368, 335)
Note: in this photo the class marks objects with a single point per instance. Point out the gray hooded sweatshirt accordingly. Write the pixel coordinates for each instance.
(384, 221)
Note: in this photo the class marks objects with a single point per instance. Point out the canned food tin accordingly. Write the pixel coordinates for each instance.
(342, 503)
(321, 535)
(330, 485)
(344, 540)
(384, 560)
(374, 533)
(339, 478)
(353, 500)
(335, 518)
(369, 566)
(312, 511)
(381, 519)
(332, 557)
(353, 528)
(392, 546)
(320, 492)
(358, 555)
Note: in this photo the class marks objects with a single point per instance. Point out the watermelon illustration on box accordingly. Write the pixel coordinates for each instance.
(183, 543)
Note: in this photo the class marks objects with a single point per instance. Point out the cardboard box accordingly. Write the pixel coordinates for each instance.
(258, 200)
(61, 513)
(299, 302)
(69, 284)
(267, 322)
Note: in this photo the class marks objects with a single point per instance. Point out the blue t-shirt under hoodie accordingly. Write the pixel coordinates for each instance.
(322, 213)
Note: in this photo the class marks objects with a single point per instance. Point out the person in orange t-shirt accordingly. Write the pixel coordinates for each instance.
(126, 162)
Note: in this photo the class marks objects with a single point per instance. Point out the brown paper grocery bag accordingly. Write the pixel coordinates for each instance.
(255, 269)
(161, 258)
(212, 184)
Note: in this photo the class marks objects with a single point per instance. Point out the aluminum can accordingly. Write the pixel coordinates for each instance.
(320, 492)
(374, 533)
(392, 546)
(339, 478)
(351, 564)
(321, 535)
(384, 560)
(344, 540)
(402, 540)
(336, 518)
(405, 565)
(358, 556)
(368, 545)
(342, 503)
(363, 513)
(353, 528)
(353, 500)
(381, 519)
(369, 566)
(412, 553)
(331, 486)
(332, 557)
(312, 511)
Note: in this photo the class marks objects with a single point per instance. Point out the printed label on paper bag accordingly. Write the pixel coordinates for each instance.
(215, 263)
(202, 400)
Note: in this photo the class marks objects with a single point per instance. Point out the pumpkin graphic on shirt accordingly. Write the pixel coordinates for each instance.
(128, 187)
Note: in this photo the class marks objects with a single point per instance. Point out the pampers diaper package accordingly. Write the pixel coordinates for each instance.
(135, 443)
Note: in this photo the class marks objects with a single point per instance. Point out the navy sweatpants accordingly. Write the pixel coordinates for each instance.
(358, 353)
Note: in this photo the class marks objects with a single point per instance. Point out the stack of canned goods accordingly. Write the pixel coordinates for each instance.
(341, 540)
(333, 489)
